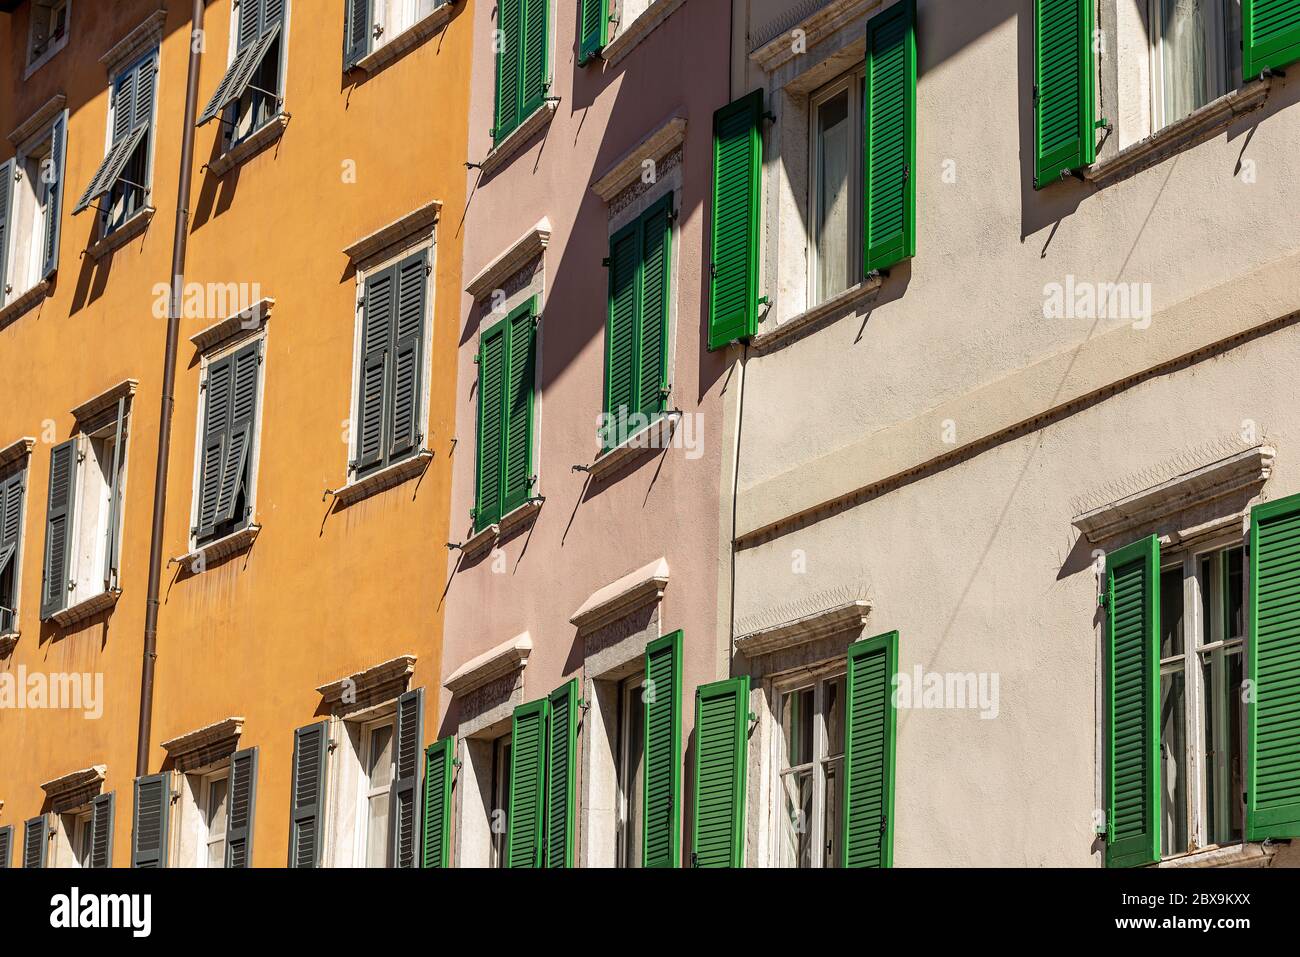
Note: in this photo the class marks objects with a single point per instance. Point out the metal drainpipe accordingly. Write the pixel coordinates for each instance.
(179, 242)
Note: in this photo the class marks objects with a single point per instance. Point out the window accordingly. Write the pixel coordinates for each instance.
(213, 808)
(84, 835)
(48, 31)
(500, 800)
(812, 778)
(228, 441)
(251, 93)
(31, 189)
(1195, 55)
(523, 62)
(12, 487)
(377, 762)
(506, 360)
(370, 24)
(81, 828)
(836, 187)
(636, 335)
(631, 771)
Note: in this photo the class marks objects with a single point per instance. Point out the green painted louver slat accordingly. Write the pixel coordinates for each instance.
(526, 821)
(661, 697)
(149, 826)
(656, 275)
(1270, 35)
(737, 175)
(439, 769)
(621, 332)
(517, 467)
(593, 28)
(889, 140)
(1132, 704)
(869, 748)
(510, 25)
(1273, 711)
(1064, 82)
(721, 735)
(534, 66)
(491, 424)
(561, 774)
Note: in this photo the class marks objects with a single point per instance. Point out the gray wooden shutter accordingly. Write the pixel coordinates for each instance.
(11, 524)
(272, 13)
(310, 752)
(376, 343)
(101, 831)
(250, 23)
(114, 541)
(403, 803)
(6, 201)
(357, 31)
(149, 828)
(242, 802)
(6, 845)
(146, 73)
(239, 443)
(408, 338)
(216, 436)
(124, 105)
(58, 527)
(36, 838)
(54, 197)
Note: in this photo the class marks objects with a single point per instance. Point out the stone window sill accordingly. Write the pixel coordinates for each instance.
(119, 237)
(539, 119)
(7, 642)
(87, 609)
(407, 40)
(485, 538)
(627, 39)
(652, 438)
(390, 476)
(24, 302)
(221, 548)
(1230, 855)
(831, 309)
(271, 131)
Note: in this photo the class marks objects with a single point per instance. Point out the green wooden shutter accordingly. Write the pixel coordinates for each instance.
(517, 468)
(149, 826)
(216, 437)
(561, 774)
(6, 846)
(357, 23)
(1064, 137)
(869, 748)
(101, 830)
(621, 332)
(439, 770)
(491, 424)
(232, 493)
(593, 29)
(721, 736)
(889, 138)
(661, 698)
(737, 175)
(404, 792)
(408, 338)
(6, 203)
(1270, 35)
(242, 804)
(58, 527)
(310, 754)
(1273, 710)
(526, 821)
(535, 56)
(510, 24)
(652, 314)
(372, 391)
(1133, 704)
(58, 160)
(36, 839)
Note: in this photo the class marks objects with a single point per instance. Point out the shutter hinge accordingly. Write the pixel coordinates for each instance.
(907, 172)
(769, 116)
(1035, 92)
(605, 262)
(1101, 599)
(884, 823)
(81, 456)
(713, 270)
(673, 214)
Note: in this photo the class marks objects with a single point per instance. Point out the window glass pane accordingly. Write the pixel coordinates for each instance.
(835, 154)
(1221, 671)
(835, 716)
(501, 801)
(217, 807)
(1191, 53)
(631, 767)
(83, 855)
(1173, 765)
(797, 723)
(798, 818)
(831, 829)
(380, 768)
(1171, 613)
(1234, 604)
(377, 831)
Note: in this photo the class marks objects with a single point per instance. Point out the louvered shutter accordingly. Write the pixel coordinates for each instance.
(526, 821)
(6, 202)
(510, 21)
(652, 314)
(661, 697)
(272, 13)
(491, 423)
(561, 774)
(869, 753)
(242, 805)
(58, 527)
(310, 753)
(6, 845)
(1273, 710)
(721, 736)
(1270, 35)
(36, 839)
(216, 438)
(124, 104)
(11, 523)
(889, 136)
(376, 344)
(249, 25)
(233, 487)
(149, 827)
(1064, 138)
(1133, 704)
(113, 544)
(518, 451)
(357, 22)
(621, 332)
(54, 194)
(535, 51)
(737, 174)
(101, 830)
(593, 28)
(439, 769)
(404, 792)
(408, 340)
(146, 72)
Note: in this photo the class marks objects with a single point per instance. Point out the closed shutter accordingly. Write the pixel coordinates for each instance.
(376, 343)
(561, 774)
(149, 827)
(593, 28)
(242, 804)
(101, 830)
(661, 697)
(510, 24)
(652, 314)
(124, 105)
(737, 174)
(491, 424)
(1064, 138)
(535, 57)
(403, 802)
(249, 25)
(889, 135)
(54, 194)
(869, 753)
(621, 332)
(36, 838)
(233, 487)
(357, 22)
(1270, 35)
(1273, 711)
(1132, 704)
(11, 524)
(58, 527)
(113, 545)
(6, 203)
(517, 470)
(439, 770)
(6, 845)
(146, 72)
(310, 752)
(525, 819)
(408, 338)
(721, 736)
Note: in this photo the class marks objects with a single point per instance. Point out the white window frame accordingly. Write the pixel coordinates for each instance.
(499, 785)
(229, 115)
(98, 544)
(850, 80)
(205, 815)
(15, 562)
(150, 152)
(82, 838)
(34, 63)
(1218, 59)
(27, 214)
(366, 791)
(817, 678)
(396, 17)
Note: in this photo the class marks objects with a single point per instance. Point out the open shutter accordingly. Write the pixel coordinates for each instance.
(238, 449)
(868, 838)
(101, 830)
(889, 138)
(561, 774)
(113, 543)
(408, 338)
(36, 839)
(737, 174)
(621, 332)
(310, 751)
(1133, 704)
(721, 736)
(239, 74)
(1270, 35)
(149, 828)
(56, 172)
(6, 845)
(526, 821)
(439, 769)
(517, 472)
(403, 802)
(376, 342)
(6, 204)
(593, 28)
(535, 51)
(216, 439)
(1064, 138)
(652, 344)
(1273, 711)
(491, 423)
(58, 527)
(357, 30)
(242, 804)
(510, 21)
(661, 696)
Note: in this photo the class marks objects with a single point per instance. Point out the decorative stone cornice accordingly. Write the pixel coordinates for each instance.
(16, 451)
(206, 745)
(844, 618)
(417, 222)
(627, 169)
(144, 37)
(379, 683)
(227, 329)
(523, 250)
(505, 658)
(106, 400)
(816, 19)
(38, 120)
(619, 599)
(75, 789)
(631, 34)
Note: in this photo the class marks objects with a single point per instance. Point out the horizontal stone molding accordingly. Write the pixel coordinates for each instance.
(221, 548)
(381, 682)
(232, 327)
(388, 477)
(418, 222)
(76, 788)
(626, 170)
(497, 662)
(206, 745)
(620, 598)
(245, 149)
(521, 252)
(15, 452)
(518, 138)
(129, 230)
(846, 619)
(37, 122)
(106, 400)
(815, 19)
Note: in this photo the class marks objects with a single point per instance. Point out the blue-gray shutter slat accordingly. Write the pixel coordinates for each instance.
(408, 334)
(239, 435)
(6, 845)
(310, 751)
(242, 803)
(36, 838)
(58, 527)
(356, 32)
(101, 831)
(111, 169)
(149, 828)
(403, 817)
(216, 437)
(56, 172)
(6, 200)
(239, 75)
(376, 344)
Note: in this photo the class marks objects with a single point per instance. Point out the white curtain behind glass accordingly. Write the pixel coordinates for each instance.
(1187, 29)
(835, 145)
